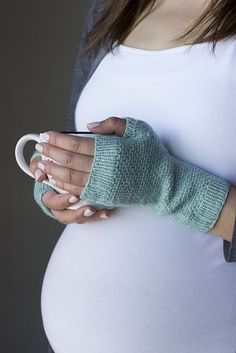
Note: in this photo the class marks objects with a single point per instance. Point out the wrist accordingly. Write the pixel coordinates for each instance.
(224, 225)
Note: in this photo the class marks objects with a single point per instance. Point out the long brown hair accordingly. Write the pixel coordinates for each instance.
(118, 18)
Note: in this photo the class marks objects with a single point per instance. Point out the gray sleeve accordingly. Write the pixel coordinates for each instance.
(83, 63)
(229, 248)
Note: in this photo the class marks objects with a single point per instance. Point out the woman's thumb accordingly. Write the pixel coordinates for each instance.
(109, 126)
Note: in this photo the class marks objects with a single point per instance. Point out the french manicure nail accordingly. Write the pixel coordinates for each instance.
(44, 136)
(37, 173)
(41, 165)
(39, 147)
(95, 124)
(73, 199)
(88, 212)
(103, 215)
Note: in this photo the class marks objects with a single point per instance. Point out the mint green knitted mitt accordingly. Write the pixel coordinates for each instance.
(38, 192)
(138, 170)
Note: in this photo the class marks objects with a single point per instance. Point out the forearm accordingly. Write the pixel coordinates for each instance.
(225, 222)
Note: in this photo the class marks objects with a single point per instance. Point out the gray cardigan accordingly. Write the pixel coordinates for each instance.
(84, 68)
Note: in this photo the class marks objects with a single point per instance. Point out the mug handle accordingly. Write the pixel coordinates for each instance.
(22, 162)
(19, 152)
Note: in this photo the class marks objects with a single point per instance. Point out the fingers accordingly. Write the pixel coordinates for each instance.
(39, 174)
(76, 144)
(67, 175)
(78, 216)
(105, 212)
(56, 201)
(33, 163)
(58, 204)
(73, 189)
(66, 158)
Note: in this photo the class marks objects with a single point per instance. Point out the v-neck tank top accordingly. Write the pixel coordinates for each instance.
(138, 282)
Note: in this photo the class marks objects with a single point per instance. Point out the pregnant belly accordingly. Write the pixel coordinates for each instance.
(139, 283)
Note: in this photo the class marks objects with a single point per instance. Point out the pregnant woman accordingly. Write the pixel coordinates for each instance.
(159, 274)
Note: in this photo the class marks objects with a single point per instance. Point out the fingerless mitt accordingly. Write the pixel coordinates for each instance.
(39, 191)
(137, 170)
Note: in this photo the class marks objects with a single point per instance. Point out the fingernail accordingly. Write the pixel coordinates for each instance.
(73, 199)
(41, 165)
(44, 136)
(103, 215)
(88, 212)
(95, 124)
(39, 147)
(37, 173)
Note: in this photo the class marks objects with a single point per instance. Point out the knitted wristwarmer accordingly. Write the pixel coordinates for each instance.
(137, 169)
(39, 191)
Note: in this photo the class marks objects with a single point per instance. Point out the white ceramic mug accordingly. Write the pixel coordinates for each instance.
(19, 155)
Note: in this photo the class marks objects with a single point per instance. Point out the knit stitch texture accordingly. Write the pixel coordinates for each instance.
(137, 170)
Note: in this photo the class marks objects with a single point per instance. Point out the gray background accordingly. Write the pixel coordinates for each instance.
(39, 40)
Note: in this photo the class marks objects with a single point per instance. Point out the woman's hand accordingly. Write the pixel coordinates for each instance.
(58, 203)
(75, 155)
(135, 169)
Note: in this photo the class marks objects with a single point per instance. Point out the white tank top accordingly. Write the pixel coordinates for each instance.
(138, 282)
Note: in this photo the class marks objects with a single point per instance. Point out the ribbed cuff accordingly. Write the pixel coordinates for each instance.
(130, 129)
(39, 191)
(211, 202)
